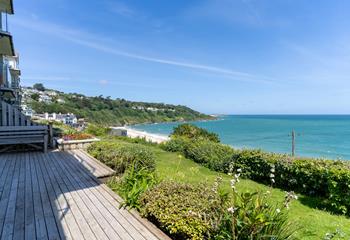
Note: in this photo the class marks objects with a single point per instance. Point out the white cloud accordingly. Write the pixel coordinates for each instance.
(89, 40)
(103, 82)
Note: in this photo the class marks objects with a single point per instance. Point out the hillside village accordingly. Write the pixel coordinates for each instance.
(76, 109)
(46, 96)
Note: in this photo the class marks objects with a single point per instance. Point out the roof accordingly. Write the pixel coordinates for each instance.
(6, 44)
(6, 6)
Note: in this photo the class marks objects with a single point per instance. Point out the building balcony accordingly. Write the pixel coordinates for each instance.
(15, 73)
(6, 6)
(6, 44)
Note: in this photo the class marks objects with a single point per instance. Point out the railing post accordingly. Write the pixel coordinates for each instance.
(51, 136)
(1, 21)
(2, 72)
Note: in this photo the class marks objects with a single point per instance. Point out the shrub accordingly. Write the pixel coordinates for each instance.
(133, 185)
(120, 156)
(182, 210)
(176, 144)
(138, 140)
(324, 178)
(197, 212)
(215, 156)
(253, 217)
(97, 130)
(255, 164)
(193, 132)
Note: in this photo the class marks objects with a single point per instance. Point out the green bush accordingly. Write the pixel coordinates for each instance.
(197, 212)
(184, 211)
(327, 179)
(97, 130)
(120, 156)
(215, 156)
(255, 164)
(193, 132)
(252, 216)
(138, 140)
(176, 144)
(132, 185)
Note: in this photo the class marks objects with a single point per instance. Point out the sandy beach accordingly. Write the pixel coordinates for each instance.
(148, 136)
(156, 138)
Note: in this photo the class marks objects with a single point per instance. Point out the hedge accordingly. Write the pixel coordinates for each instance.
(184, 211)
(119, 156)
(215, 156)
(329, 179)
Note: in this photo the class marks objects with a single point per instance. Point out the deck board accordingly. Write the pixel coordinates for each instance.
(40, 225)
(57, 196)
(6, 195)
(91, 213)
(7, 232)
(107, 211)
(98, 212)
(29, 221)
(18, 232)
(133, 227)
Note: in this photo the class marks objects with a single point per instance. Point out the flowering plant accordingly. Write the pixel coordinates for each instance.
(251, 215)
(77, 136)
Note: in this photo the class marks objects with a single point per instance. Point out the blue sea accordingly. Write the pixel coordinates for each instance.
(323, 136)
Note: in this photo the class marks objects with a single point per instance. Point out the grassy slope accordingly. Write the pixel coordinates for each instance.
(315, 223)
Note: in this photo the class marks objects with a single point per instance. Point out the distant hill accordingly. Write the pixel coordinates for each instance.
(107, 111)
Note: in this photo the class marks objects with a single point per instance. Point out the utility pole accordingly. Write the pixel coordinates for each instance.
(293, 143)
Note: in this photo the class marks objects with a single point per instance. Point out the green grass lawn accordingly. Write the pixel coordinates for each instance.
(314, 223)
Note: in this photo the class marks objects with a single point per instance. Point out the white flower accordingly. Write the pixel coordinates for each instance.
(239, 170)
(237, 175)
(272, 175)
(273, 180)
(231, 210)
(272, 170)
(278, 210)
(233, 183)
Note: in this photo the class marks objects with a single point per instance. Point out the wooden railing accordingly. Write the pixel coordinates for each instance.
(11, 116)
(16, 128)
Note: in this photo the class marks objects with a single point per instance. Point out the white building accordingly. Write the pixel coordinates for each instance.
(27, 110)
(68, 119)
(45, 99)
(60, 100)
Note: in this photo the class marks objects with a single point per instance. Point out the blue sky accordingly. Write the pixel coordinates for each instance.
(217, 56)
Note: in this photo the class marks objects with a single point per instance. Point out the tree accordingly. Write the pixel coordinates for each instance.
(35, 96)
(39, 87)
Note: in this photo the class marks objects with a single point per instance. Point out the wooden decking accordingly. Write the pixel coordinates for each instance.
(53, 196)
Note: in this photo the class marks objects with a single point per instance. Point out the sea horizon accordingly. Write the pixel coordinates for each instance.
(317, 135)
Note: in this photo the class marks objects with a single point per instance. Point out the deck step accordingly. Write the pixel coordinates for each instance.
(97, 168)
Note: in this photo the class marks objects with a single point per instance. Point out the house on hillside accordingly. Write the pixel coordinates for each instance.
(45, 99)
(27, 111)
